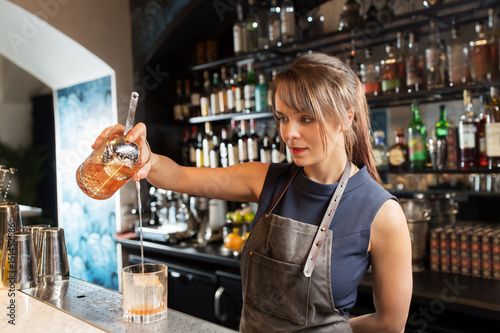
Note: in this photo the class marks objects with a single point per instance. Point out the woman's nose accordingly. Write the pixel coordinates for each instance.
(290, 131)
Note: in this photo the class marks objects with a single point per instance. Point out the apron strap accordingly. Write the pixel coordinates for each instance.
(327, 220)
(281, 192)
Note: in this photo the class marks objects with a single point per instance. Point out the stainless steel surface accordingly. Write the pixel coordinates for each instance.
(103, 308)
(18, 261)
(52, 255)
(10, 219)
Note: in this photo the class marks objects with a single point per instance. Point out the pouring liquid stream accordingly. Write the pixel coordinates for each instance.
(139, 209)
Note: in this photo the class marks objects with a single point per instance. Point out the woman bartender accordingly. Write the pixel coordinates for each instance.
(322, 220)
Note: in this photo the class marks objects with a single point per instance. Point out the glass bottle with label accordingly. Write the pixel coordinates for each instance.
(277, 155)
(482, 158)
(239, 32)
(467, 134)
(224, 148)
(370, 75)
(380, 150)
(261, 94)
(233, 153)
(287, 21)
(414, 66)
(417, 138)
(195, 107)
(253, 142)
(265, 149)
(223, 108)
(214, 95)
(249, 89)
(492, 129)
(243, 143)
(391, 70)
(483, 57)
(238, 88)
(274, 24)
(457, 54)
(398, 153)
(208, 144)
(192, 145)
(442, 125)
(252, 26)
(205, 95)
(435, 59)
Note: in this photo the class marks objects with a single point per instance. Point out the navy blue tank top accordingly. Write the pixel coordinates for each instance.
(306, 201)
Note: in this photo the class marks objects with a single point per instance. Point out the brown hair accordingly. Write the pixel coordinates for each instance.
(327, 88)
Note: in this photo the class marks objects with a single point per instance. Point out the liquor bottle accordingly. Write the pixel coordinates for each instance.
(222, 94)
(178, 115)
(263, 13)
(249, 89)
(414, 66)
(277, 155)
(482, 56)
(243, 143)
(208, 144)
(397, 154)
(370, 75)
(224, 148)
(380, 150)
(402, 57)
(261, 94)
(391, 70)
(199, 150)
(252, 27)
(214, 95)
(435, 59)
(457, 54)
(214, 152)
(239, 32)
(265, 149)
(233, 154)
(192, 145)
(442, 125)
(195, 106)
(467, 132)
(186, 99)
(482, 158)
(274, 24)
(417, 140)
(493, 34)
(230, 84)
(452, 146)
(287, 16)
(253, 142)
(493, 129)
(205, 95)
(238, 88)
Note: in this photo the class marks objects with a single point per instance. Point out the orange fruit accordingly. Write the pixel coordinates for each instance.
(233, 241)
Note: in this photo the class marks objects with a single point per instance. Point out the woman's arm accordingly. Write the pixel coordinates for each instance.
(390, 250)
(241, 182)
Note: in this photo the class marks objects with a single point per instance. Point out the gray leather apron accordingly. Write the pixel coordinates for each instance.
(286, 273)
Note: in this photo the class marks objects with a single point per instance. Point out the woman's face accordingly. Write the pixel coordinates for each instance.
(300, 131)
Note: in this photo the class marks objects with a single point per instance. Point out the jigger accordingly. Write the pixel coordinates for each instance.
(18, 261)
(52, 256)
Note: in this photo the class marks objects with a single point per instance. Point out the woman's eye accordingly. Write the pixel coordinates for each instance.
(307, 119)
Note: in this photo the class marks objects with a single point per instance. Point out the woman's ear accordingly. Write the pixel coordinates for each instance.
(350, 116)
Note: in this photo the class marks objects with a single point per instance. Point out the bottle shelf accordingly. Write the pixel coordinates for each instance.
(230, 116)
(444, 171)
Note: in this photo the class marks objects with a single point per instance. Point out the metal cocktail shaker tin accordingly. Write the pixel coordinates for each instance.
(52, 255)
(18, 261)
(10, 220)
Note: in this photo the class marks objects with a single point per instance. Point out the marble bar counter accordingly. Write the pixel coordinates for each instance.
(78, 306)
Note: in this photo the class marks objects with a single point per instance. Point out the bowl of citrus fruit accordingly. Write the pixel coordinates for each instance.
(237, 228)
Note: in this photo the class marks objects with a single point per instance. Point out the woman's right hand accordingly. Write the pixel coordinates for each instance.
(135, 132)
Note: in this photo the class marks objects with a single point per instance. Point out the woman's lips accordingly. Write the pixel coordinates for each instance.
(297, 150)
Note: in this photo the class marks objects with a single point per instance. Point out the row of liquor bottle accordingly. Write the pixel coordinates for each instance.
(265, 24)
(472, 144)
(407, 68)
(236, 91)
(237, 144)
